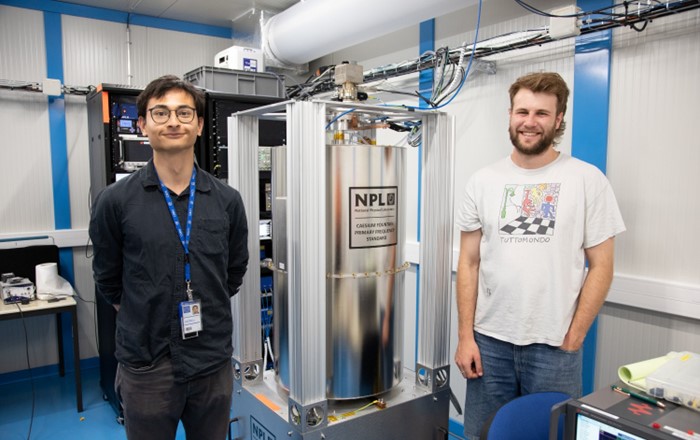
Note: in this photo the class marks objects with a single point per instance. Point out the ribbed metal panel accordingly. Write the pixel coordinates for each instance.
(243, 175)
(97, 51)
(652, 164)
(653, 154)
(22, 44)
(306, 212)
(94, 51)
(436, 234)
(25, 159)
(88, 57)
(627, 334)
(85, 287)
(25, 163)
(78, 161)
(156, 52)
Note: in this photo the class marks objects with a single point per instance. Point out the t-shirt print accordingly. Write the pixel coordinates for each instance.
(529, 209)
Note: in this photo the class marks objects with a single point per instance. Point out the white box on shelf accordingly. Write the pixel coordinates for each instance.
(240, 58)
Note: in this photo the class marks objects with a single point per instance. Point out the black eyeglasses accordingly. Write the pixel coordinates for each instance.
(161, 114)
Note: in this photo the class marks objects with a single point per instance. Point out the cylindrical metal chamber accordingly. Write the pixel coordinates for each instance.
(364, 263)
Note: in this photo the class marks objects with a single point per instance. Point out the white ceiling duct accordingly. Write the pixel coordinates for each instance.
(314, 28)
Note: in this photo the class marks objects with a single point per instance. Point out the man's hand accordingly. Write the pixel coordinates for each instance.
(468, 359)
(571, 342)
(595, 289)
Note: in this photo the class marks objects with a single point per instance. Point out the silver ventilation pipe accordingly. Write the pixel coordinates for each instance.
(314, 28)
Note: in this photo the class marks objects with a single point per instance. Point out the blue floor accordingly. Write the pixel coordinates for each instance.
(55, 413)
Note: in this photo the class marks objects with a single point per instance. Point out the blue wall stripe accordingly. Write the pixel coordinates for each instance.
(427, 43)
(590, 130)
(591, 99)
(121, 17)
(425, 87)
(53, 36)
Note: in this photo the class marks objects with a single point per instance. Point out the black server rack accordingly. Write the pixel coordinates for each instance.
(214, 140)
(117, 148)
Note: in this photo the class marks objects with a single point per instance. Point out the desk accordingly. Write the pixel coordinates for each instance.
(635, 418)
(40, 307)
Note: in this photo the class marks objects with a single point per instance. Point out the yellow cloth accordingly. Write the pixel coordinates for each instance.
(635, 374)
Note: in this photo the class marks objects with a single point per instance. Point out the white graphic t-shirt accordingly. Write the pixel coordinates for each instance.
(535, 225)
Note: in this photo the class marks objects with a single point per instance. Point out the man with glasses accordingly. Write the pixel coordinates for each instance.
(169, 240)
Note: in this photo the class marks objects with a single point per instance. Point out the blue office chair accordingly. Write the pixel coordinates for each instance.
(525, 418)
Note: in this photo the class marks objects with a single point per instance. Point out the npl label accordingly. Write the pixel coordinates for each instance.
(373, 216)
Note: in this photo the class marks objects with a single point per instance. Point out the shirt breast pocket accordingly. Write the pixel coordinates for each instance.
(211, 236)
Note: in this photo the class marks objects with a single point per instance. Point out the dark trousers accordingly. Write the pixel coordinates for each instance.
(154, 404)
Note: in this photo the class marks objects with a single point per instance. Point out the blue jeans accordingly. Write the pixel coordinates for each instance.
(514, 370)
(154, 403)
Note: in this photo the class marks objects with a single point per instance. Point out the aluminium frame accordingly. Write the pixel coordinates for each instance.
(306, 211)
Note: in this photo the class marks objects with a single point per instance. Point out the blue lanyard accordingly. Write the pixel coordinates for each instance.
(184, 238)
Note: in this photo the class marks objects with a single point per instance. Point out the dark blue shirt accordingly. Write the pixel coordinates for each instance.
(139, 263)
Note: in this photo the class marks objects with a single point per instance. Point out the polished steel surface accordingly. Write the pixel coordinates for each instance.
(365, 227)
(365, 240)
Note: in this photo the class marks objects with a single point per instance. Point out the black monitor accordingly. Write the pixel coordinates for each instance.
(125, 115)
(605, 415)
(588, 428)
(137, 150)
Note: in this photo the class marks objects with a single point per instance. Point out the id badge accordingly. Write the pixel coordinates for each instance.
(190, 319)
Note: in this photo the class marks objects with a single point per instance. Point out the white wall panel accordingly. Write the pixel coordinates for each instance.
(627, 334)
(157, 52)
(25, 159)
(94, 51)
(654, 151)
(25, 163)
(25, 168)
(87, 313)
(22, 44)
(77, 142)
(653, 161)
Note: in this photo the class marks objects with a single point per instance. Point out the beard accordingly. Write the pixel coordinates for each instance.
(536, 149)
